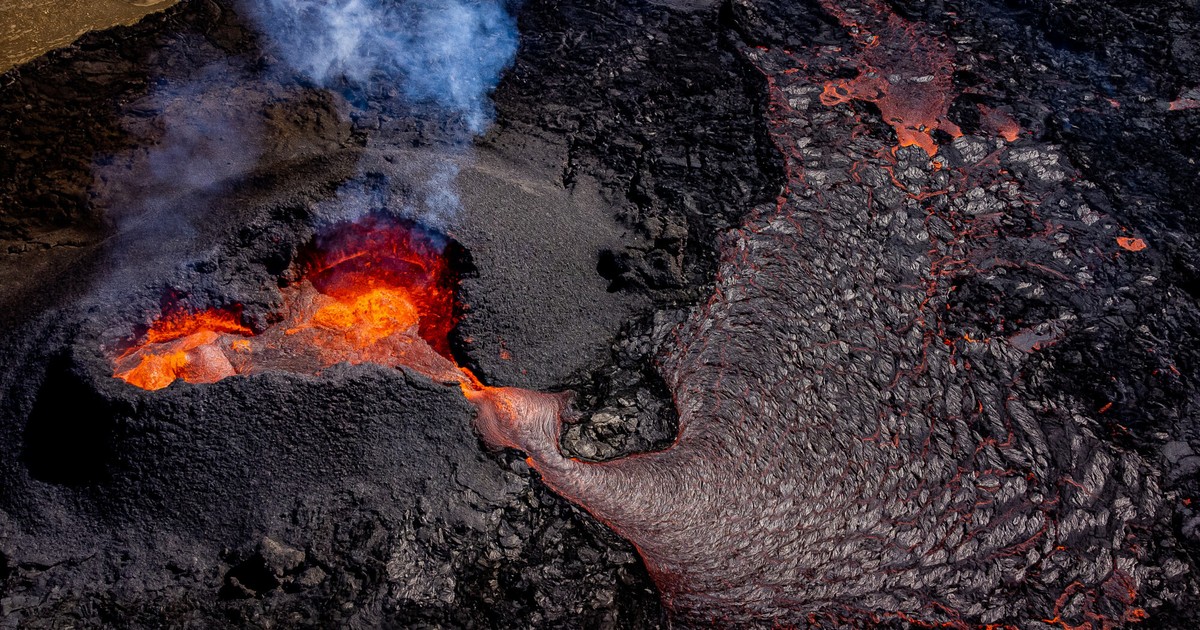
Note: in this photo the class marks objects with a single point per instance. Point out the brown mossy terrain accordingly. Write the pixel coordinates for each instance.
(31, 28)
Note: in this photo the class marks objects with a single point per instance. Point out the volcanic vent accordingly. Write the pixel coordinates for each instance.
(379, 291)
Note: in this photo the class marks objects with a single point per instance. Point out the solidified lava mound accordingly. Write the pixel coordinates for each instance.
(876, 314)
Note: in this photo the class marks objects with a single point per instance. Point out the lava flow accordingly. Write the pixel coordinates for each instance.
(906, 75)
(375, 292)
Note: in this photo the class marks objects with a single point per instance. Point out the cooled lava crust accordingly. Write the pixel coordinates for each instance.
(917, 280)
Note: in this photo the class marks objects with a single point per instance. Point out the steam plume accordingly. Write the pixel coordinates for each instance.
(448, 52)
(190, 149)
(206, 131)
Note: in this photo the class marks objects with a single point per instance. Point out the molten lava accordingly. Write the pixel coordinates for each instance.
(373, 291)
(184, 346)
(1131, 244)
(998, 122)
(906, 74)
(385, 277)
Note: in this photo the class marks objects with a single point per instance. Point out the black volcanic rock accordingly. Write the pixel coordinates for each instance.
(883, 417)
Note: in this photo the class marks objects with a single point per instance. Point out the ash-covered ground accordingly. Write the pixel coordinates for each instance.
(631, 141)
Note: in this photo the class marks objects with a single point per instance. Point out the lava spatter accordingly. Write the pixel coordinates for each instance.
(373, 291)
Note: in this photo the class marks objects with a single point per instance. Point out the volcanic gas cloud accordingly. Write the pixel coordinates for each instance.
(374, 291)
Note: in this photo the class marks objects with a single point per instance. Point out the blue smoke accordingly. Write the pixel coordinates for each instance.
(425, 194)
(204, 136)
(447, 52)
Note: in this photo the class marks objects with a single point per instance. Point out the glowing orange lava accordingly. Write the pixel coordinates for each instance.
(998, 122)
(184, 347)
(1131, 244)
(373, 291)
(907, 75)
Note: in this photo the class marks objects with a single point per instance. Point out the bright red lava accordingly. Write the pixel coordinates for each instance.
(373, 291)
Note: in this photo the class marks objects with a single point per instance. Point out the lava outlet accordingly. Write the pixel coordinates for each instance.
(374, 291)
